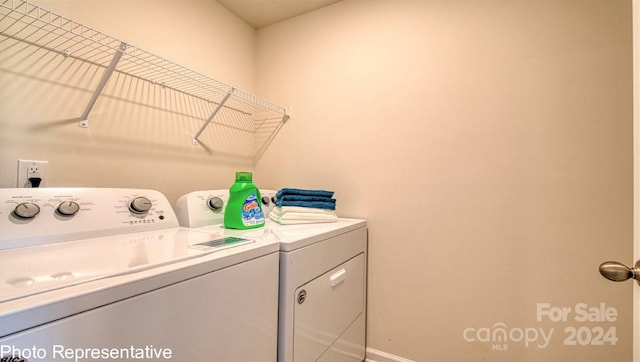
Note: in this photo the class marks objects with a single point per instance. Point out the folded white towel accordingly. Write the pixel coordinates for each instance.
(281, 210)
(301, 215)
(282, 221)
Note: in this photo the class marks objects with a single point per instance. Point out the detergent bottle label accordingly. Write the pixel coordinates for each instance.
(251, 211)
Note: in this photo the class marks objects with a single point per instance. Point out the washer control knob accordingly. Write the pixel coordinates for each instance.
(26, 210)
(266, 200)
(68, 208)
(215, 203)
(140, 205)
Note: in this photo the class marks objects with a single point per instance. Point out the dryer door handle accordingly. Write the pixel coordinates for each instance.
(337, 277)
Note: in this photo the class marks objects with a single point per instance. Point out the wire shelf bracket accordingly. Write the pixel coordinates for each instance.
(213, 114)
(84, 119)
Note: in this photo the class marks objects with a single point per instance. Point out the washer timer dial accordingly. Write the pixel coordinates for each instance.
(140, 205)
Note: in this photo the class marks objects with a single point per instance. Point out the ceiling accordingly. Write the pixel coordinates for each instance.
(259, 13)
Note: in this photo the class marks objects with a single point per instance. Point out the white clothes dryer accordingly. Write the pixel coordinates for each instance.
(323, 274)
(109, 274)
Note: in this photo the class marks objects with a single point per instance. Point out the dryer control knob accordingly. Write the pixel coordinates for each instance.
(140, 205)
(215, 203)
(68, 208)
(26, 210)
(302, 296)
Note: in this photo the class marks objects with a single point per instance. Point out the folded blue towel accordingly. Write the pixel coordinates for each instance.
(313, 204)
(319, 199)
(303, 192)
(305, 198)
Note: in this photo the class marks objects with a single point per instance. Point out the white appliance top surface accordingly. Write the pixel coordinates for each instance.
(292, 237)
(48, 275)
(48, 282)
(37, 269)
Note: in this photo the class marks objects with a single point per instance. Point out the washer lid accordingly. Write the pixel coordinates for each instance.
(37, 269)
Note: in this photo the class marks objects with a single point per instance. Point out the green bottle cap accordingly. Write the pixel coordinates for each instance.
(244, 176)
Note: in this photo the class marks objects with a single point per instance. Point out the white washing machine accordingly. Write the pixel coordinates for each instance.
(108, 274)
(323, 273)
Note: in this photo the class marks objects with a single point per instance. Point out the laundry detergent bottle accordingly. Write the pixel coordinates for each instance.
(244, 208)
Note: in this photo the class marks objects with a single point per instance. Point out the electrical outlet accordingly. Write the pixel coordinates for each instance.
(32, 173)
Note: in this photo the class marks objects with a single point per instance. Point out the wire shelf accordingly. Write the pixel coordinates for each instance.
(26, 22)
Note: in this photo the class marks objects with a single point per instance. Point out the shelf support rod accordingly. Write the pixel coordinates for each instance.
(84, 122)
(215, 111)
(285, 117)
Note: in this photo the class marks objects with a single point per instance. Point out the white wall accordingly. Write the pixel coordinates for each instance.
(131, 141)
(487, 143)
(489, 146)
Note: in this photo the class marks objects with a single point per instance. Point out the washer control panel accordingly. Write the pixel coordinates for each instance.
(206, 207)
(33, 216)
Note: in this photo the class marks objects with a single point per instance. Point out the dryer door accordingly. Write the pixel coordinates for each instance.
(326, 308)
